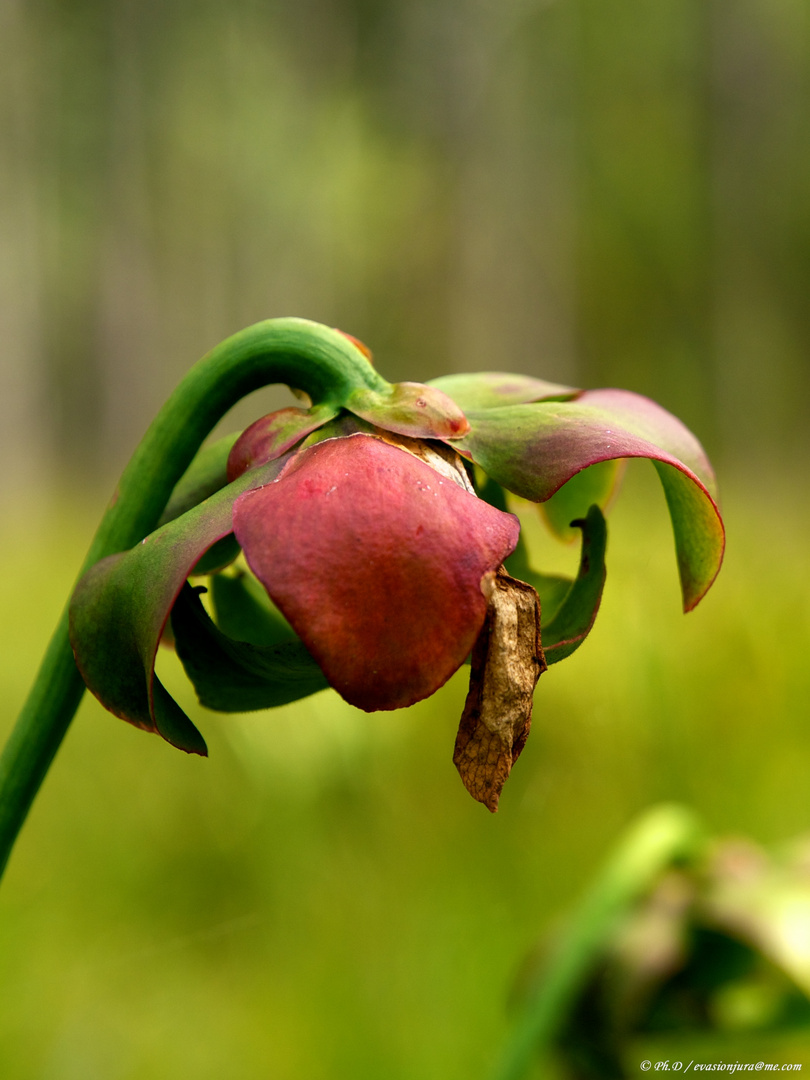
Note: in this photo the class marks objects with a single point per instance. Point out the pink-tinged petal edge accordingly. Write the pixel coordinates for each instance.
(377, 561)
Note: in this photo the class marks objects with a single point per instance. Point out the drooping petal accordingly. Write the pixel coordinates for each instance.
(275, 434)
(377, 561)
(534, 449)
(121, 605)
(491, 389)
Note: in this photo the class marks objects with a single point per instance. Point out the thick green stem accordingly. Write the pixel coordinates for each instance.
(313, 358)
(659, 838)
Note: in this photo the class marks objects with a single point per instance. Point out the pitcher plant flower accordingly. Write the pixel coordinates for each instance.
(378, 528)
(374, 519)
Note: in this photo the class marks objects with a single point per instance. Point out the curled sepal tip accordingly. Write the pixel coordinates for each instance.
(571, 623)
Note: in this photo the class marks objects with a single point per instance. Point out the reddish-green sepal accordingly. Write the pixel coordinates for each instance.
(121, 605)
(275, 434)
(114, 634)
(235, 676)
(412, 409)
(207, 474)
(568, 627)
(492, 389)
(534, 449)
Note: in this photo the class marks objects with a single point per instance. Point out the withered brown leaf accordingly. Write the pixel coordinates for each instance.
(507, 661)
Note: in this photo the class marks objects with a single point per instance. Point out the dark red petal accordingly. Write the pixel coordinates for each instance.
(376, 560)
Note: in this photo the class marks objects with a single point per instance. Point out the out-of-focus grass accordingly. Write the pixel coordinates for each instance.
(320, 898)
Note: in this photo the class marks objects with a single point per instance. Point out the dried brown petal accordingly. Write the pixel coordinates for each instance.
(507, 661)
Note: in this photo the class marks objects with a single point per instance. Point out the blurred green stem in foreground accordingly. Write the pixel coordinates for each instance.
(663, 835)
(322, 362)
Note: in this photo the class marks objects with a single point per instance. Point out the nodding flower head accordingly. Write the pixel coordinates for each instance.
(378, 527)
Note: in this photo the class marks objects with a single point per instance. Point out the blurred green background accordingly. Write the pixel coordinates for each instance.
(598, 193)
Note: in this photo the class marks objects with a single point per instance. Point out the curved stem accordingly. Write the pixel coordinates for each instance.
(658, 838)
(313, 358)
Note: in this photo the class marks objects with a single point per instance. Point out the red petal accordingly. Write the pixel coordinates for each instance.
(377, 562)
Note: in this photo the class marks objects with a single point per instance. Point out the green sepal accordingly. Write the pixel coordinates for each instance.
(491, 389)
(173, 724)
(551, 588)
(243, 610)
(235, 676)
(121, 605)
(571, 624)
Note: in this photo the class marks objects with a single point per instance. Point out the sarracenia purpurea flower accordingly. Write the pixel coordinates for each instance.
(375, 518)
